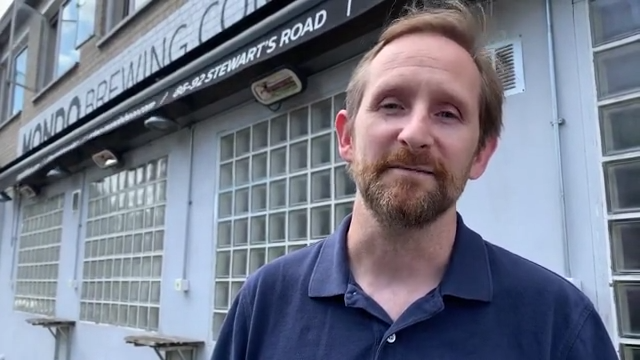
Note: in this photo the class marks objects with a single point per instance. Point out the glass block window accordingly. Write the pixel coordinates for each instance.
(124, 246)
(38, 256)
(281, 187)
(614, 23)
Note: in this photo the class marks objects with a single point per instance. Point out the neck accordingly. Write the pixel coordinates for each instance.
(382, 258)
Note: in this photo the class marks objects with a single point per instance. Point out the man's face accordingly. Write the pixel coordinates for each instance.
(414, 141)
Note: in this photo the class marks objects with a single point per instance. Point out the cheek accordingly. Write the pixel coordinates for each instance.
(361, 152)
(361, 143)
(458, 156)
(369, 151)
(373, 141)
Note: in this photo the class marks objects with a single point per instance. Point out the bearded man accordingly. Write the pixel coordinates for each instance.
(403, 277)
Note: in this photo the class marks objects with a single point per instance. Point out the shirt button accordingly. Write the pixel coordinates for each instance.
(391, 339)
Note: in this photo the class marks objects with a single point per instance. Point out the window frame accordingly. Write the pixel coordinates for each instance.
(7, 79)
(51, 46)
(47, 193)
(5, 90)
(335, 200)
(24, 50)
(119, 12)
(49, 50)
(92, 33)
(619, 278)
(162, 148)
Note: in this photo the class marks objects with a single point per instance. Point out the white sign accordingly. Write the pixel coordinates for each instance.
(195, 22)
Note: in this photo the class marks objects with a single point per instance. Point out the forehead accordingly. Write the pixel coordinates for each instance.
(426, 59)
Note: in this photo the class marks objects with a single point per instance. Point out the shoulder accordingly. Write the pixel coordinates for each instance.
(538, 296)
(513, 275)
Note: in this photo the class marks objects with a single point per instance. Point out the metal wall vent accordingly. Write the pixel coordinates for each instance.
(75, 200)
(508, 61)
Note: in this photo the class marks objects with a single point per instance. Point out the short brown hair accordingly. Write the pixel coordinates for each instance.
(458, 22)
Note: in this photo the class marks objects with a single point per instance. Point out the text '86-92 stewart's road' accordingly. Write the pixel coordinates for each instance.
(314, 22)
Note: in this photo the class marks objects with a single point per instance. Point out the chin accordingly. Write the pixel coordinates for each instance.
(403, 194)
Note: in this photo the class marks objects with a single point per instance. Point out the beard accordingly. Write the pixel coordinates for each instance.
(408, 202)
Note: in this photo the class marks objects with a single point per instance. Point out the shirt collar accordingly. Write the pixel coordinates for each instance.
(468, 275)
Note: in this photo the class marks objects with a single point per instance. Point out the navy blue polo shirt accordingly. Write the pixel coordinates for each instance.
(490, 305)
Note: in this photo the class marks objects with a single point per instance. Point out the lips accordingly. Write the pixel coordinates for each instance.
(416, 169)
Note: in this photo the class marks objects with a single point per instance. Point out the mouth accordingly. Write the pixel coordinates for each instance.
(414, 169)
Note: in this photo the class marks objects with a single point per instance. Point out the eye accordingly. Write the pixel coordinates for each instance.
(448, 114)
(391, 106)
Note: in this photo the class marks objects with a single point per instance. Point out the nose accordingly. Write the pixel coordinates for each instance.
(416, 134)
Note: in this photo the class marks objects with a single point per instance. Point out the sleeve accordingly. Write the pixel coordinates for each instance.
(592, 341)
(234, 334)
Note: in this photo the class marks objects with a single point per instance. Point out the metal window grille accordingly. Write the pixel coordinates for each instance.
(281, 187)
(124, 245)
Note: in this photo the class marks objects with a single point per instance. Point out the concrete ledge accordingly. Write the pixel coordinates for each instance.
(163, 342)
(50, 322)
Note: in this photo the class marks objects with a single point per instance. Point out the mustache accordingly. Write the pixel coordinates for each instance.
(404, 157)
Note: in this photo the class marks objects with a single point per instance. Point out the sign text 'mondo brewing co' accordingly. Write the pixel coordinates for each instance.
(183, 30)
(314, 22)
(291, 34)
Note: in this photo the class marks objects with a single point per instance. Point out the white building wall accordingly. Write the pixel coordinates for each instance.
(515, 205)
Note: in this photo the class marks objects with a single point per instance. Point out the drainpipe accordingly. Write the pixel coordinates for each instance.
(15, 233)
(556, 122)
(2, 226)
(187, 229)
(79, 231)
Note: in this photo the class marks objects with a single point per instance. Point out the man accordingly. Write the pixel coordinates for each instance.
(403, 277)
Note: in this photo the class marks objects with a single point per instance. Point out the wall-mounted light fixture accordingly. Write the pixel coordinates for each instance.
(277, 87)
(106, 159)
(161, 123)
(28, 191)
(57, 172)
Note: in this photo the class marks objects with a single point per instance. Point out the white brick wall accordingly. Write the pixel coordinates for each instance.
(186, 20)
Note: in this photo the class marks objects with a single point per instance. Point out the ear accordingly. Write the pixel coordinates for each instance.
(482, 157)
(345, 139)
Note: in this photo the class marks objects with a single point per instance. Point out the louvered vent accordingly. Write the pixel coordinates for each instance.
(507, 58)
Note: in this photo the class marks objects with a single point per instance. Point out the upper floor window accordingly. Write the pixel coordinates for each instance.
(4, 91)
(86, 20)
(118, 10)
(13, 75)
(17, 86)
(71, 27)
